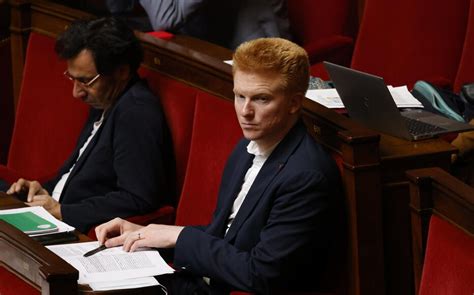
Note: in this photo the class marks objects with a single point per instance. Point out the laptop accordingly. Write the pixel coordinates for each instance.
(368, 101)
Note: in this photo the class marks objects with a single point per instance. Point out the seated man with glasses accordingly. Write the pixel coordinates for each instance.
(123, 163)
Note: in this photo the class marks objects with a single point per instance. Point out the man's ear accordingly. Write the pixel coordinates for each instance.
(122, 72)
(296, 103)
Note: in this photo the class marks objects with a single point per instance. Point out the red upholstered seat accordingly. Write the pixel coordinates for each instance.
(418, 46)
(48, 118)
(215, 133)
(326, 29)
(178, 100)
(449, 260)
(465, 73)
(404, 41)
(6, 101)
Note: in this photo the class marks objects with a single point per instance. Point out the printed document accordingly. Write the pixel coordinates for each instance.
(112, 264)
(330, 98)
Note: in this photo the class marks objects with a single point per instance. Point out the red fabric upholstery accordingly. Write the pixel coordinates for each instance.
(161, 35)
(6, 101)
(10, 284)
(404, 41)
(48, 118)
(178, 102)
(324, 28)
(215, 132)
(465, 72)
(449, 260)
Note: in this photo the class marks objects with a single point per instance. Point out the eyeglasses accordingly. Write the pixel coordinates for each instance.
(83, 81)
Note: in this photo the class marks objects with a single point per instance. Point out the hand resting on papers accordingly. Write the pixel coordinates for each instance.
(133, 236)
(36, 196)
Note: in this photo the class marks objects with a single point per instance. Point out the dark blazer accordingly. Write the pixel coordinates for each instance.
(127, 168)
(225, 22)
(282, 233)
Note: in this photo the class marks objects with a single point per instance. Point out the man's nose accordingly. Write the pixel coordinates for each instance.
(247, 109)
(77, 90)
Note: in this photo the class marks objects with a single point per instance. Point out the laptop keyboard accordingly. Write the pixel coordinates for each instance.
(417, 127)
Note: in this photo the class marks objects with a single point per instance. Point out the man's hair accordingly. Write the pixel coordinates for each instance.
(111, 42)
(278, 56)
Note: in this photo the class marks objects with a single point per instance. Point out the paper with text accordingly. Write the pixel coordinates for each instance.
(330, 98)
(112, 264)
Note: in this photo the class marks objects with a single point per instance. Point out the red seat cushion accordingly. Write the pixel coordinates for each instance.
(449, 260)
(215, 133)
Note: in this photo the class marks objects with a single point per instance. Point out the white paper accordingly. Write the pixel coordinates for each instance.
(330, 98)
(124, 284)
(112, 264)
(403, 97)
(327, 97)
(40, 211)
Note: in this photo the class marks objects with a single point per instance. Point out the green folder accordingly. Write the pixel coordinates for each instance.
(29, 222)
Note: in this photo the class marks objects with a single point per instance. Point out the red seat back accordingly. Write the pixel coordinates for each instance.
(313, 20)
(449, 260)
(465, 73)
(215, 133)
(48, 118)
(178, 101)
(404, 41)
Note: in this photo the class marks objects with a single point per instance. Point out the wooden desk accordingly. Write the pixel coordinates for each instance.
(41, 268)
(373, 164)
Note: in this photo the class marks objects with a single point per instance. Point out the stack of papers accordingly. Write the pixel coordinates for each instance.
(34, 221)
(330, 98)
(113, 268)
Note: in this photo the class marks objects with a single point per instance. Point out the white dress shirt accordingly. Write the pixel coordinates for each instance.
(60, 185)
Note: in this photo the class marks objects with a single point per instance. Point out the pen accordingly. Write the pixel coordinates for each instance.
(96, 250)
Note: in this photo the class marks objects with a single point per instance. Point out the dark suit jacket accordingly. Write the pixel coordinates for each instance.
(127, 168)
(225, 22)
(282, 232)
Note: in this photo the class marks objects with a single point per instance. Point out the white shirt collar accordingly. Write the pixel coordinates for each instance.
(254, 149)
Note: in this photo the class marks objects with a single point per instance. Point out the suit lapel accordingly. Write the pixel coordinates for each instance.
(235, 184)
(274, 164)
(90, 146)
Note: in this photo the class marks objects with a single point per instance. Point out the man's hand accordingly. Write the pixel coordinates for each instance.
(32, 187)
(48, 203)
(114, 232)
(37, 196)
(133, 236)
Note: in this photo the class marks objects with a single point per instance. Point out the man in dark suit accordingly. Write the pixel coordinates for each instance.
(122, 164)
(278, 202)
(227, 23)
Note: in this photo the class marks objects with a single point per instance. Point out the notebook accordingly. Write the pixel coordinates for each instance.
(29, 222)
(368, 101)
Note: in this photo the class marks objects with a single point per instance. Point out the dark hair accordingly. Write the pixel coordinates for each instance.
(111, 42)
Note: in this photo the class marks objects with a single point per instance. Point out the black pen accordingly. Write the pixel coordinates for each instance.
(96, 250)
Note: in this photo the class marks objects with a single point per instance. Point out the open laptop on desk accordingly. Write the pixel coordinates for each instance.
(368, 101)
